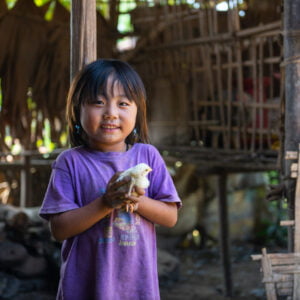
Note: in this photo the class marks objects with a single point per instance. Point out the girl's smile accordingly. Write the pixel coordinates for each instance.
(109, 127)
(109, 119)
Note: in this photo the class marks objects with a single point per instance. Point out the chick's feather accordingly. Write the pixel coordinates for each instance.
(138, 175)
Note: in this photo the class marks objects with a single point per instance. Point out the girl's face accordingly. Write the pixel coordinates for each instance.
(109, 120)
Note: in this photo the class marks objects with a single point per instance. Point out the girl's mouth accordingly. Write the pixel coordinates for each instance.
(109, 127)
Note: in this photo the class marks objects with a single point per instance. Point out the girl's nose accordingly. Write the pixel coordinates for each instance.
(110, 112)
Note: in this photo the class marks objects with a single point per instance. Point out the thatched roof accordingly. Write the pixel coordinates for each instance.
(35, 68)
(199, 59)
(23, 40)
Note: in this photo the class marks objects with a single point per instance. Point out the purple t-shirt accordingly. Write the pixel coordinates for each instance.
(116, 258)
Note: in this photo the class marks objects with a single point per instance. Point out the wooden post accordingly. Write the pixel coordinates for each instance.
(296, 289)
(268, 276)
(25, 182)
(224, 233)
(292, 96)
(83, 34)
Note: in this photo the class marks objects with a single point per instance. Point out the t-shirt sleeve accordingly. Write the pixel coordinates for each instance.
(60, 195)
(161, 183)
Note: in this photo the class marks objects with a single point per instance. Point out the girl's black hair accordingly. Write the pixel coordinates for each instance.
(92, 81)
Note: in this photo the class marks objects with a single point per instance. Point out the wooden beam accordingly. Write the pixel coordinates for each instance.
(267, 270)
(291, 43)
(296, 289)
(224, 237)
(83, 34)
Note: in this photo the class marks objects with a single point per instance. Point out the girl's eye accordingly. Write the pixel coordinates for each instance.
(124, 103)
(99, 102)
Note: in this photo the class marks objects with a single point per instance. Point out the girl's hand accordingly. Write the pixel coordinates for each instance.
(116, 191)
(138, 191)
(132, 201)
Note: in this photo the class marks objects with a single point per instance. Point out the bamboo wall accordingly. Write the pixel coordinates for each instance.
(221, 81)
(214, 79)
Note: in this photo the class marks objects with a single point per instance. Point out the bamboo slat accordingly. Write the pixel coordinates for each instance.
(240, 77)
(280, 273)
(195, 96)
(229, 103)
(253, 55)
(268, 280)
(194, 48)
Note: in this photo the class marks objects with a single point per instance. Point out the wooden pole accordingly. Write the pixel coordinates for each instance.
(25, 182)
(291, 43)
(296, 288)
(83, 34)
(224, 232)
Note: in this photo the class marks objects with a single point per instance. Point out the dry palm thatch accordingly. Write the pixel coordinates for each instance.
(23, 32)
(3, 10)
(106, 38)
(35, 57)
(52, 80)
(3, 7)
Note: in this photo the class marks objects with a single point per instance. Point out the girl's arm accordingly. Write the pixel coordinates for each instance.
(73, 222)
(76, 221)
(159, 212)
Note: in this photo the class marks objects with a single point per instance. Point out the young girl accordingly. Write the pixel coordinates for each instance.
(108, 253)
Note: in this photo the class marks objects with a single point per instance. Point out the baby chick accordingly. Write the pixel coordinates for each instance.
(138, 177)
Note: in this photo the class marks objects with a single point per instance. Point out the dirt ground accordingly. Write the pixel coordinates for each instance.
(200, 276)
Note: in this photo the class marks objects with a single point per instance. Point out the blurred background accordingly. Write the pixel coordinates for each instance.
(215, 81)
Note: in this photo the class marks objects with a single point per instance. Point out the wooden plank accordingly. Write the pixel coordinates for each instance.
(260, 98)
(253, 54)
(240, 79)
(287, 223)
(297, 210)
(285, 292)
(229, 101)
(194, 94)
(224, 237)
(285, 261)
(267, 271)
(278, 256)
(222, 38)
(269, 105)
(296, 294)
(283, 280)
(221, 95)
(83, 34)
(291, 104)
(271, 86)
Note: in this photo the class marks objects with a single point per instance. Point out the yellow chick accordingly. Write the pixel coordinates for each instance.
(138, 175)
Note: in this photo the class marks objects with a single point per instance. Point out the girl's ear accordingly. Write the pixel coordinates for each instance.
(77, 128)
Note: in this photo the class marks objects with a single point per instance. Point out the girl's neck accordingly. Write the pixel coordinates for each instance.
(105, 148)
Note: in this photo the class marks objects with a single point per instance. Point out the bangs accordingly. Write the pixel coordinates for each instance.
(96, 76)
(131, 83)
(119, 82)
(92, 81)
(93, 88)
(99, 86)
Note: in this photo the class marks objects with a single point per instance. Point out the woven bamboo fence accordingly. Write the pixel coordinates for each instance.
(224, 80)
(214, 79)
